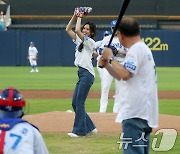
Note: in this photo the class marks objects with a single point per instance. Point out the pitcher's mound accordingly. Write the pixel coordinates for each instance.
(62, 122)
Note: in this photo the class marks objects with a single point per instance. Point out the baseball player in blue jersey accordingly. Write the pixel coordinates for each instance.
(108, 78)
(32, 56)
(138, 112)
(17, 136)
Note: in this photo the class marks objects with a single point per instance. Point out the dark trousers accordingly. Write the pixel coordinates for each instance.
(136, 136)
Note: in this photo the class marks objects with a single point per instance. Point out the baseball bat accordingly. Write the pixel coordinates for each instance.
(122, 11)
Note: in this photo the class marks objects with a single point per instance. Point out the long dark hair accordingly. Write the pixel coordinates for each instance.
(92, 27)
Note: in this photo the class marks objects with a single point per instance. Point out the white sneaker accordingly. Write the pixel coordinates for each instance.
(32, 71)
(94, 131)
(37, 70)
(73, 135)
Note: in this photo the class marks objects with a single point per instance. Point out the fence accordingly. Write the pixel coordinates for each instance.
(57, 49)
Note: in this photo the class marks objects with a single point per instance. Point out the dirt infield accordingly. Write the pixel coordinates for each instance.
(62, 122)
(49, 94)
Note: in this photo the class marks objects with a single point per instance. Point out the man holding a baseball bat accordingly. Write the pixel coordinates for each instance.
(138, 111)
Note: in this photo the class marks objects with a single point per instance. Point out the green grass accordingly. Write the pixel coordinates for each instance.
(48, 105)
(168, 78)
(64, 78)
(170, 107)
(98, 144)
(48, 78)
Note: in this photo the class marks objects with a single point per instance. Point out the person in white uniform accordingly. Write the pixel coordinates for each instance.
(17, 136)
(85, 47)
(108, 78)
(33, 56)
(98, 53)
(139, 109)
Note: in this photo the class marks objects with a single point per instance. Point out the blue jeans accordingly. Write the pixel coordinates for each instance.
(82, 123)
(138, 132)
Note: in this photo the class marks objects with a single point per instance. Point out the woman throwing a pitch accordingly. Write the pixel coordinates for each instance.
(85, 46)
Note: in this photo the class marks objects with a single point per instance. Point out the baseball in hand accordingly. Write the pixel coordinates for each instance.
(85, 10)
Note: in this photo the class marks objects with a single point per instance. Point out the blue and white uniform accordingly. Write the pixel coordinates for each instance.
(99, 50)
(107, 78)
(100, 70)
(20, 137)
(33, 52)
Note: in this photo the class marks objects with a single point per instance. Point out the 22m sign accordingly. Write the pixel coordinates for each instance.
(155, 44)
